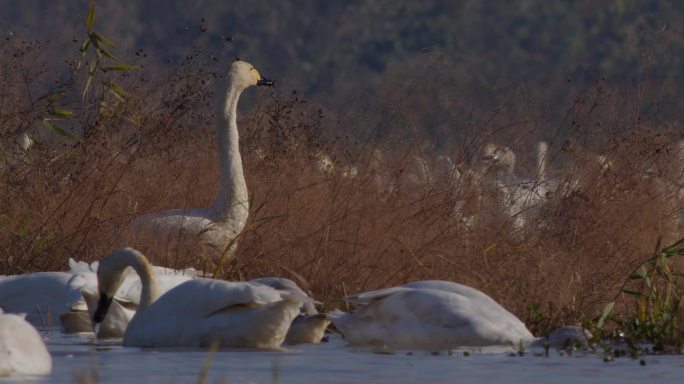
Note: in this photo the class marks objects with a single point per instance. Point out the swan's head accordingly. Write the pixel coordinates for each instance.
(111, 274)
(243, 74)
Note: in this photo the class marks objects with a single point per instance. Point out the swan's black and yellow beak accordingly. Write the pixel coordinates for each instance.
(102, 308)
(265, 81)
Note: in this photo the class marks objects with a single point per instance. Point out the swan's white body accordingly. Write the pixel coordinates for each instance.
(210, 231)
(199, 311)
(22, 350)
(427, 315)
(124, 304)
(521, 198)
(25, 142)
(50, 298)
(42, 296)
(309, 326)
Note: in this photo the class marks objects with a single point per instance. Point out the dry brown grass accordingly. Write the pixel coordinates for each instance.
(333, 233)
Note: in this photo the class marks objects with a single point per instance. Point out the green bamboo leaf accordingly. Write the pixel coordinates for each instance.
(59, 130)
(117, 89)
(102, 39)
(632, 293)
(92, 67)
(60, 112)
(90, 20)
(121, 67)
(84, 47)
(109, 55)
(606, 311)
(87, 85)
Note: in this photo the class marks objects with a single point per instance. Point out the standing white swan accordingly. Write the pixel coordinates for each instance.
(22, 350)
(428, 315)
(213, 230)
(197, 312)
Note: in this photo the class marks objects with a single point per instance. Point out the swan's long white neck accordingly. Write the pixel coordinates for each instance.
(232, 199)
(148, 294)
(116, 264)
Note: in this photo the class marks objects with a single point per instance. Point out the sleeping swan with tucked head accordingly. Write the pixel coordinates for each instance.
(427, 315)
(210, 231)
(198, 312)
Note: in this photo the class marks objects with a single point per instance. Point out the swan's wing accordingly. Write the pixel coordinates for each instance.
(201, 310)
(484, 306)
(81, 266)
(163, 271)
(131, 288)
(366, 298)
(36, 294)
(22, 350)
(481, 298)
(199, 298)
(287, 285)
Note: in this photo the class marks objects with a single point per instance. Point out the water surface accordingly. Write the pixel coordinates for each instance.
(76, 358)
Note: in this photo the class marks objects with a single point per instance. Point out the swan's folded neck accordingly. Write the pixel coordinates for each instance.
(148, 294)
(232, 199)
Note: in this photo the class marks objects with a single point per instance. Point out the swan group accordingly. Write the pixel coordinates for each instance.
(126, 297)
(266, 313)
(211, 231)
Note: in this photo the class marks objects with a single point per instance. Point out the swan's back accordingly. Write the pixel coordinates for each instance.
(22, 350)
(429, 314)
(43, 296)
(287, 285)
(199, 311)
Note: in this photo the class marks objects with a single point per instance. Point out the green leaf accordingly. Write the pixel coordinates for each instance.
(84, 47)
(109, 55)
(633, 293)
(60, 112)
(121, 67)
(117, 89)
(92, 67)
(102, 39)
(639, 274)
(90, 20)
(606, 311)
(59, 130)
(87, 85)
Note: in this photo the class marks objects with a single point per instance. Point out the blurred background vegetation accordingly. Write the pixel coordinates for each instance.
(341, 53)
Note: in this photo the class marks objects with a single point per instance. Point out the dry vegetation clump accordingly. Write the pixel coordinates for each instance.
(337, 210)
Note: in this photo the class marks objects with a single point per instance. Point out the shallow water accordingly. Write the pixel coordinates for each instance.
(76, 357)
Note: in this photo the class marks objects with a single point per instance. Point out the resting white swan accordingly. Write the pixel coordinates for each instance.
(197, 312)
(42, 296)
(210, 231)
(124, 304)
(427, 315)
(309, 326)
(22, 350)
